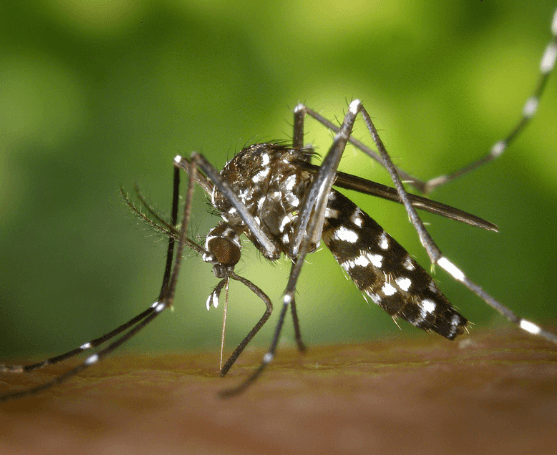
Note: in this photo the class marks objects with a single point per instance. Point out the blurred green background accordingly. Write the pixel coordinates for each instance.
(94, 95)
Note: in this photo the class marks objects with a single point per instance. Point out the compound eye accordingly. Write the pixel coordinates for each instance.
(226, 252)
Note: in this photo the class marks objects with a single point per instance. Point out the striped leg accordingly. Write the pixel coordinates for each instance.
(435, 253)
(547, 64)
(133, 326)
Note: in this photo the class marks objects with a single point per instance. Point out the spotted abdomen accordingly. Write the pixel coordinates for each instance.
(384, 270)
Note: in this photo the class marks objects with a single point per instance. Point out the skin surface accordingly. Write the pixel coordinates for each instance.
(490, 392)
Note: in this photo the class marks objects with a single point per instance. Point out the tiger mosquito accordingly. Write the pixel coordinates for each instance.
(283, 204)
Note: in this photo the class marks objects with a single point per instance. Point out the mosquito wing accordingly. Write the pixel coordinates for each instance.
(351, 182)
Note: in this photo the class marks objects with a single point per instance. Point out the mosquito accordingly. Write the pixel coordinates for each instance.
(285, 205)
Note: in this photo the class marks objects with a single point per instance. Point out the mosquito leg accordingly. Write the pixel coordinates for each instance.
(547, 64)
(97, 341)
(259, 293)
(301, 110)
(530, 108)
(134, 325)
(92, 359)
(84, 347)
(435, 253)
(169, 291)
(298, 142)
(298, 137)
(267, 358)
(315, 203)
(297, 333)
